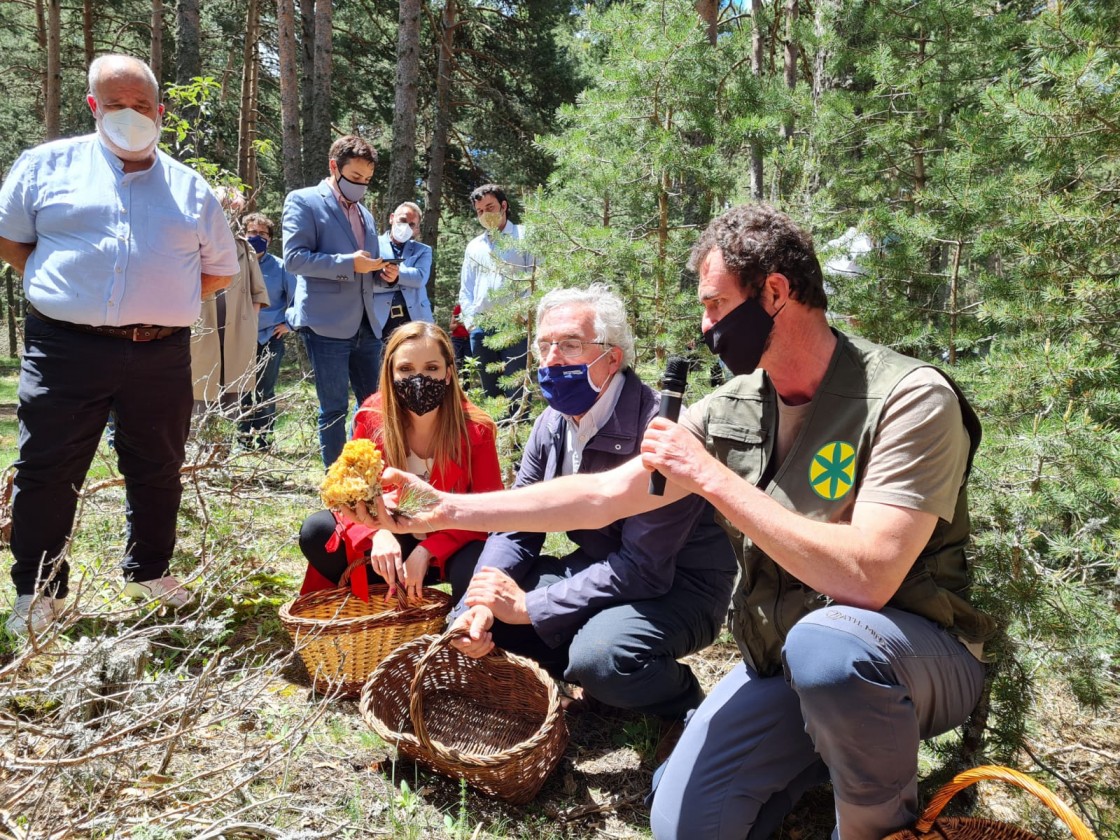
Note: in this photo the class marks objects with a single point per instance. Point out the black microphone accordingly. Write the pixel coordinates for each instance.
(672, 390)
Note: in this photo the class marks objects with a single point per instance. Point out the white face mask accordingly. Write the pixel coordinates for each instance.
(128, 133)
(401, 231)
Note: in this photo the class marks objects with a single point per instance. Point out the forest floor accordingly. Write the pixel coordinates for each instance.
(203, 723)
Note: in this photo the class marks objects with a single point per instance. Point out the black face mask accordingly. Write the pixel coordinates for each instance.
(741, 336)
(419, 393)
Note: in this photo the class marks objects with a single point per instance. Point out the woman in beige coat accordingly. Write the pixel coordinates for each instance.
(224, 341)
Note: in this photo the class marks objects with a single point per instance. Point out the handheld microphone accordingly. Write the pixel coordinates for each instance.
(672, 390)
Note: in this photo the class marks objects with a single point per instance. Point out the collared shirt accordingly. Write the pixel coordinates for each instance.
(114, 248)
(351, 212)
(281, 287)
(487, 270)
(578, 433)
(631, 559)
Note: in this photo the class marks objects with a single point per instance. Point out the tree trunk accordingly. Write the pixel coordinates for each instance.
(247, 124)
(291, 141)
(40, 25)
(311, 168)
(709, 15)
(790, 62)
(402, 178)
(437, 153)
(919, 141)
(157, 39)
(321, 95)
(317, 46)
(954, 301)
(53, 80)
(756, 71)
(87, 33)
(188, 59)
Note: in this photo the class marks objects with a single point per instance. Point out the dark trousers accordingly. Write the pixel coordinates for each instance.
(626, 654)
(513, 360)
(260, 406)
(69, 383)
(462, 345)
(318, 528)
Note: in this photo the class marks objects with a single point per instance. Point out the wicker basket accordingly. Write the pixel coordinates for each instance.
(342, 639)
(929, 827)
(494, 722)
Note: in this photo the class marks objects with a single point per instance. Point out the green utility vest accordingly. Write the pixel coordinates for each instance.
(819, 479)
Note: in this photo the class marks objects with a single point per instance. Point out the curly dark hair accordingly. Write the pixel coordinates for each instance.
(480, 193)
(756, 240)
(259, 219)
(347, 148)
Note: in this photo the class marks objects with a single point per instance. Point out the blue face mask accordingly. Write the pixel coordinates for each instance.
(568, 389)
(259, 243)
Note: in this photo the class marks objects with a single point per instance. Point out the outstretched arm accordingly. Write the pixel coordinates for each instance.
(584, 501)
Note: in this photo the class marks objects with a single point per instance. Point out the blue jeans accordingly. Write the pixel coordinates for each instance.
(338, 364)
(69, 383)
(513, 359)
(258, 426)
(860, 690)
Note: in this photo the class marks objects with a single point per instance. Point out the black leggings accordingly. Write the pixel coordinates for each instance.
(318, 528)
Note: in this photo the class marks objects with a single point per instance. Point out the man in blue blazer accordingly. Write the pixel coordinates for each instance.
(399, 242)
(330, 244)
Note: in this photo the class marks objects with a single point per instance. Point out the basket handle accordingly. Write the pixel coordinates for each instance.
(416, 696)
(970, 777)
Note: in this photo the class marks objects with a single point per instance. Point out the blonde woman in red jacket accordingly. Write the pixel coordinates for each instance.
(422, 422)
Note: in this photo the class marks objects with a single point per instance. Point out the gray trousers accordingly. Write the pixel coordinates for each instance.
(625, 655)
(860, 690)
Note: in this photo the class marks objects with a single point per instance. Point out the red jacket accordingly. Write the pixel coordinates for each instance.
(479, 446)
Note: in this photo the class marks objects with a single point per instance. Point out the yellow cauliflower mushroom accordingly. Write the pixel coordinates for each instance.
(354, 477)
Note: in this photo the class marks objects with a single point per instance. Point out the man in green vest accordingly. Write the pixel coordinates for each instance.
(838, 468)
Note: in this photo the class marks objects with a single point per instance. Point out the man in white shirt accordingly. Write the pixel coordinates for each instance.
(492, 267)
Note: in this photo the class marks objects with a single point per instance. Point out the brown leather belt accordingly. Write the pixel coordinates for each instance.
(131, 332)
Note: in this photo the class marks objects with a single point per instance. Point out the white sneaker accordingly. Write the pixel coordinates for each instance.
(38, 612)
(167, 590)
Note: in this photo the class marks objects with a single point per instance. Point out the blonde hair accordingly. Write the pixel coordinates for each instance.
(456, 410)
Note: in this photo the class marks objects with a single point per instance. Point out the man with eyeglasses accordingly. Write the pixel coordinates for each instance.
(616, 614)
(330, 244)
(840, 470)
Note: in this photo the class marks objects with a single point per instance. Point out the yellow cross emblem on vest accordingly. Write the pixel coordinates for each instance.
(832, 472)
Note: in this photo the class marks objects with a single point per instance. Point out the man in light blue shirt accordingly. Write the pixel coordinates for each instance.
(256, 431)
(117, 243)
(494, 272)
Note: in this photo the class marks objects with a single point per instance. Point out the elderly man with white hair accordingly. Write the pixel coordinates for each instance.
(616, 614)
(117, 243)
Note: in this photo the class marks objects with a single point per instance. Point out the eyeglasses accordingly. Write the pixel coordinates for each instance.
(570, 348)
(263, 233)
